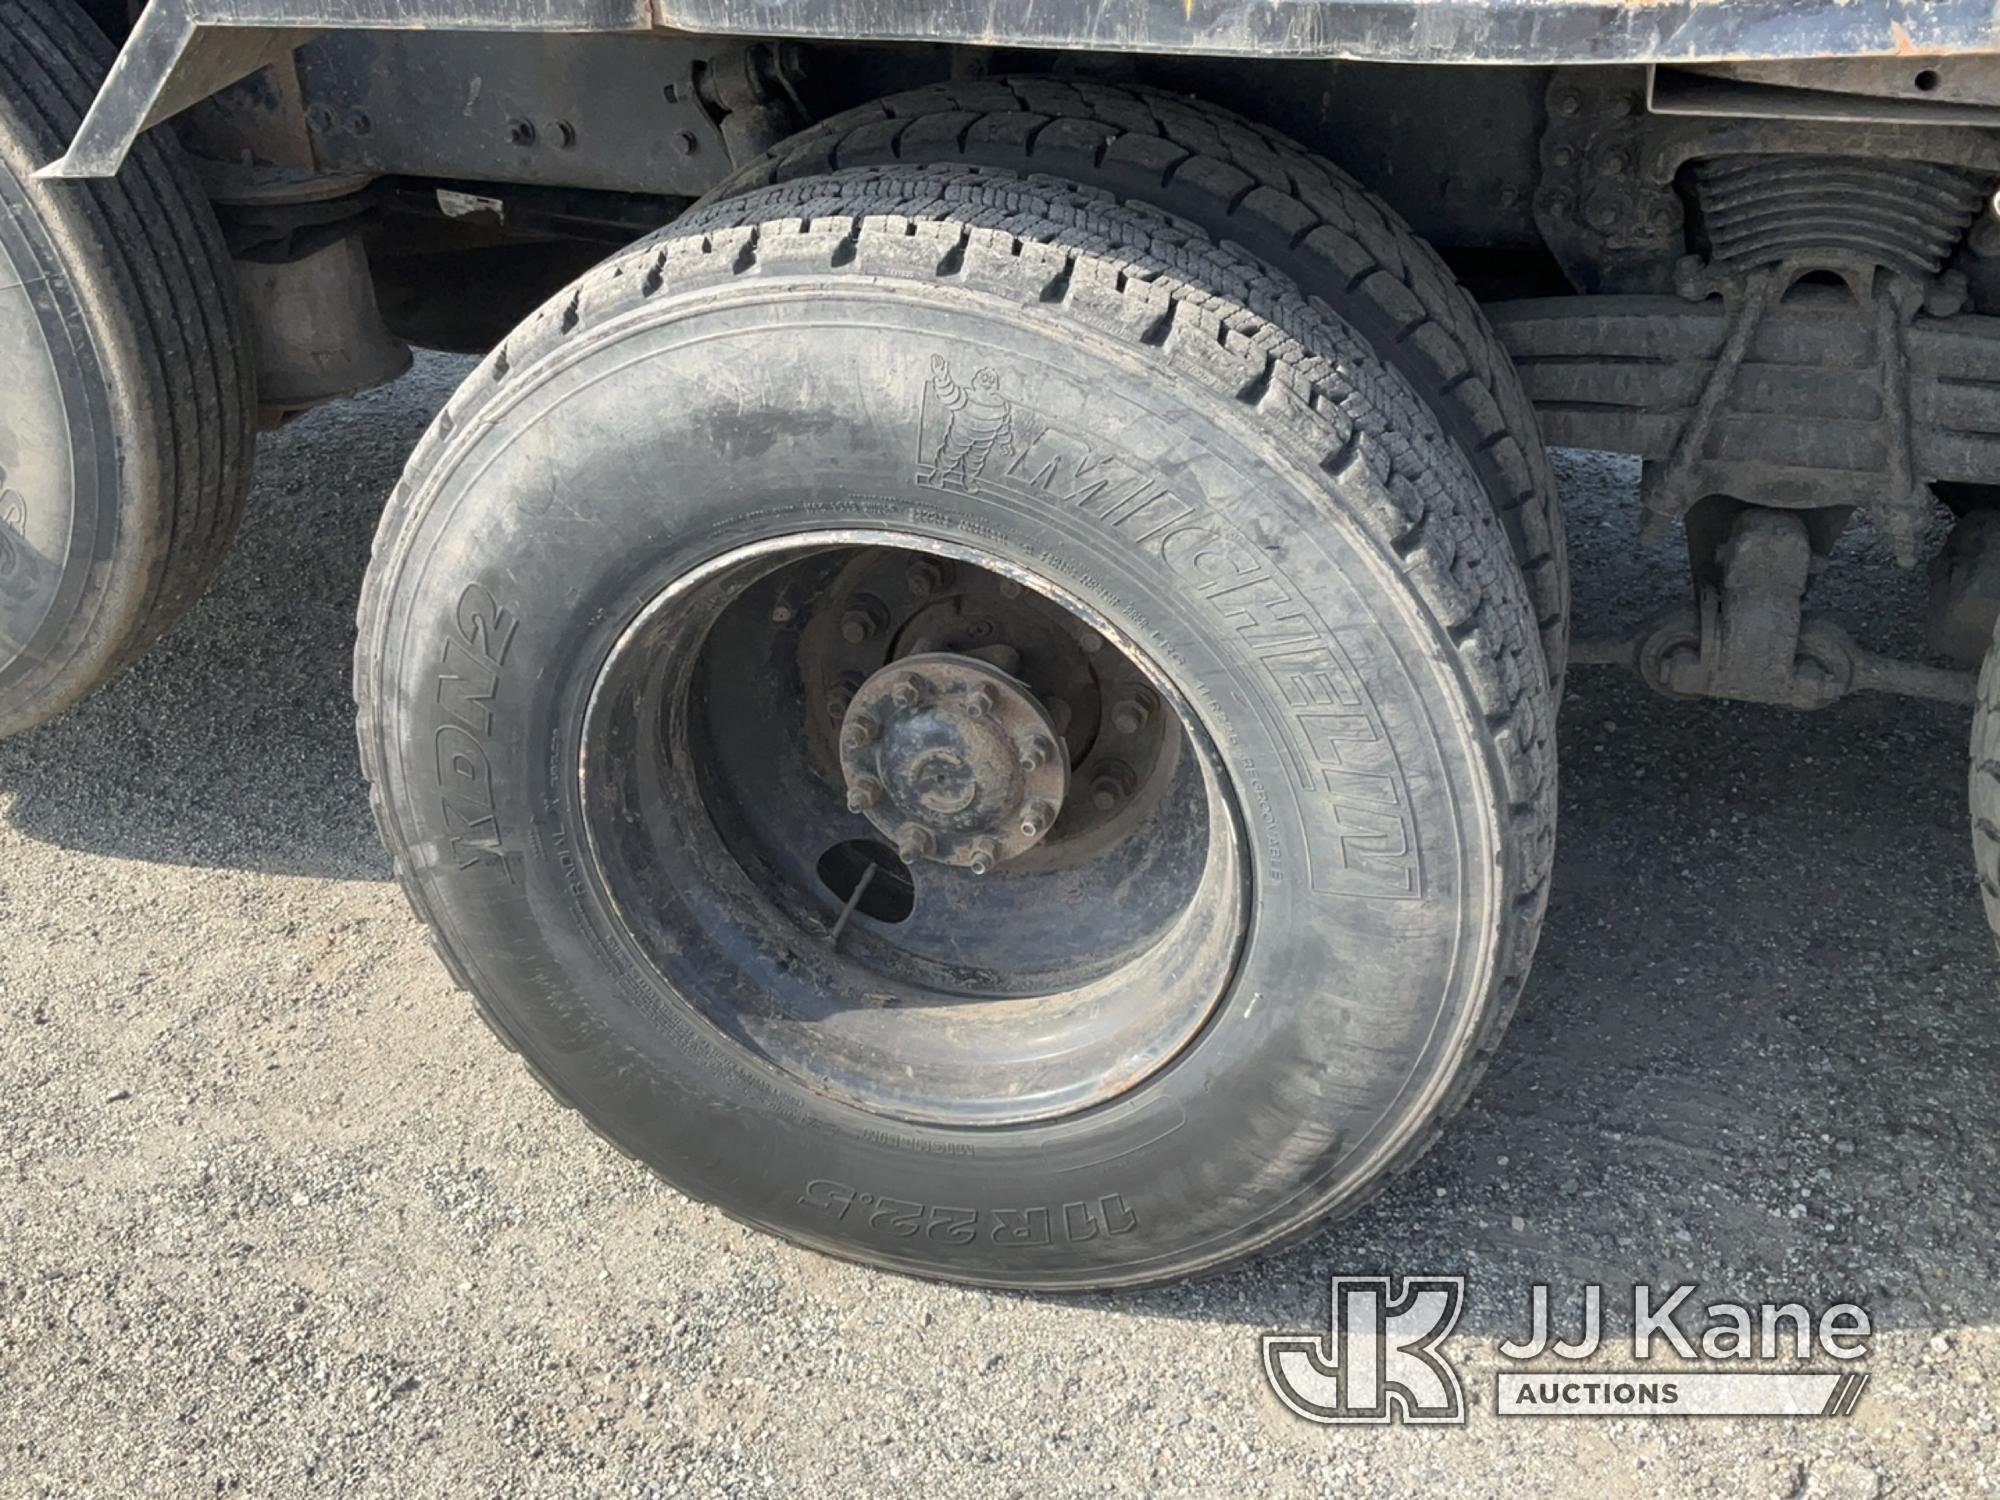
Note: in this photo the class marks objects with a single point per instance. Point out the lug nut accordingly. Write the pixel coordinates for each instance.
(923, 579)
(913, 842)
(864, 618)
(907, 691)
(841, 695)
(1112, 784)
(863, 794)
(1035, 754)
(979, 703)
(859, 734)
(983, 855)
(1132, 714)
(1035, 820)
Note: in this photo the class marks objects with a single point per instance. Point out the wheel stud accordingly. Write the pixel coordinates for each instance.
(907, 691)
(914, 842)
(982, 856)
(1132, 714)
(1111, 785)
(865, 618)
(859, 733)
(842, 694)
(979, 703)
(864, 794)
(1035, 753)
(1036, 819)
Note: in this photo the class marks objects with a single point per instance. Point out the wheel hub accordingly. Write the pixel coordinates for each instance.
(954, 760)
(885, 605)
(718, 790)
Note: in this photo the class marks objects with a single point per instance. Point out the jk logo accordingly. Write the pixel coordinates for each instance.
(1379, 1361)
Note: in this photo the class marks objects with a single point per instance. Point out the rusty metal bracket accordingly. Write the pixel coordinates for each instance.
(1749, 640)
(183, 51)
(1891, 300)
(1906, 506)
(1672, 488)
(1750, 626)
(1604, 209)
(173, 60)
(1457, 31)
(1923, 91)
(1803, 425)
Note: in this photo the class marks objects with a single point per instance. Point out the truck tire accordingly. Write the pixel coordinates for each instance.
(1292, 209)
(1983, 788)
(126, 432)
(617, 666)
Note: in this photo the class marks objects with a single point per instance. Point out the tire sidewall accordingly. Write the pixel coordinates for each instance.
(658, 441)
(60, 448)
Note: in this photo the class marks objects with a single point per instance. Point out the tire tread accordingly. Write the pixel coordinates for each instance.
(191, 396)
(1280, 202)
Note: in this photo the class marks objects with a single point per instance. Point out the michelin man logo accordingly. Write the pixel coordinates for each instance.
(977, 419)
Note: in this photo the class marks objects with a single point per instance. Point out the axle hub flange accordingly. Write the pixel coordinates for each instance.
(953, 759)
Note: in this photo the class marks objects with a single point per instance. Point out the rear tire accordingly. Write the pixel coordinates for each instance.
(126, 434)
(1290, 208)
(622, 528)
(1983, 788)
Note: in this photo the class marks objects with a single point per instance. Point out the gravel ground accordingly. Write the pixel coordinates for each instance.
(280, 1217)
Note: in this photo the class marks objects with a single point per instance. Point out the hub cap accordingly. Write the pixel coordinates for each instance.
(955, 760)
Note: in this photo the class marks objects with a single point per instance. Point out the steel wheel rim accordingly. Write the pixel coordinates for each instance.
(853, 1006)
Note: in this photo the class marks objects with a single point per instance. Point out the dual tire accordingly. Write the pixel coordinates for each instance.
(126, 432)
(1330, 540)
(1184, 422)
(1104, 409)
(1201, 427)
(1247, 186)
